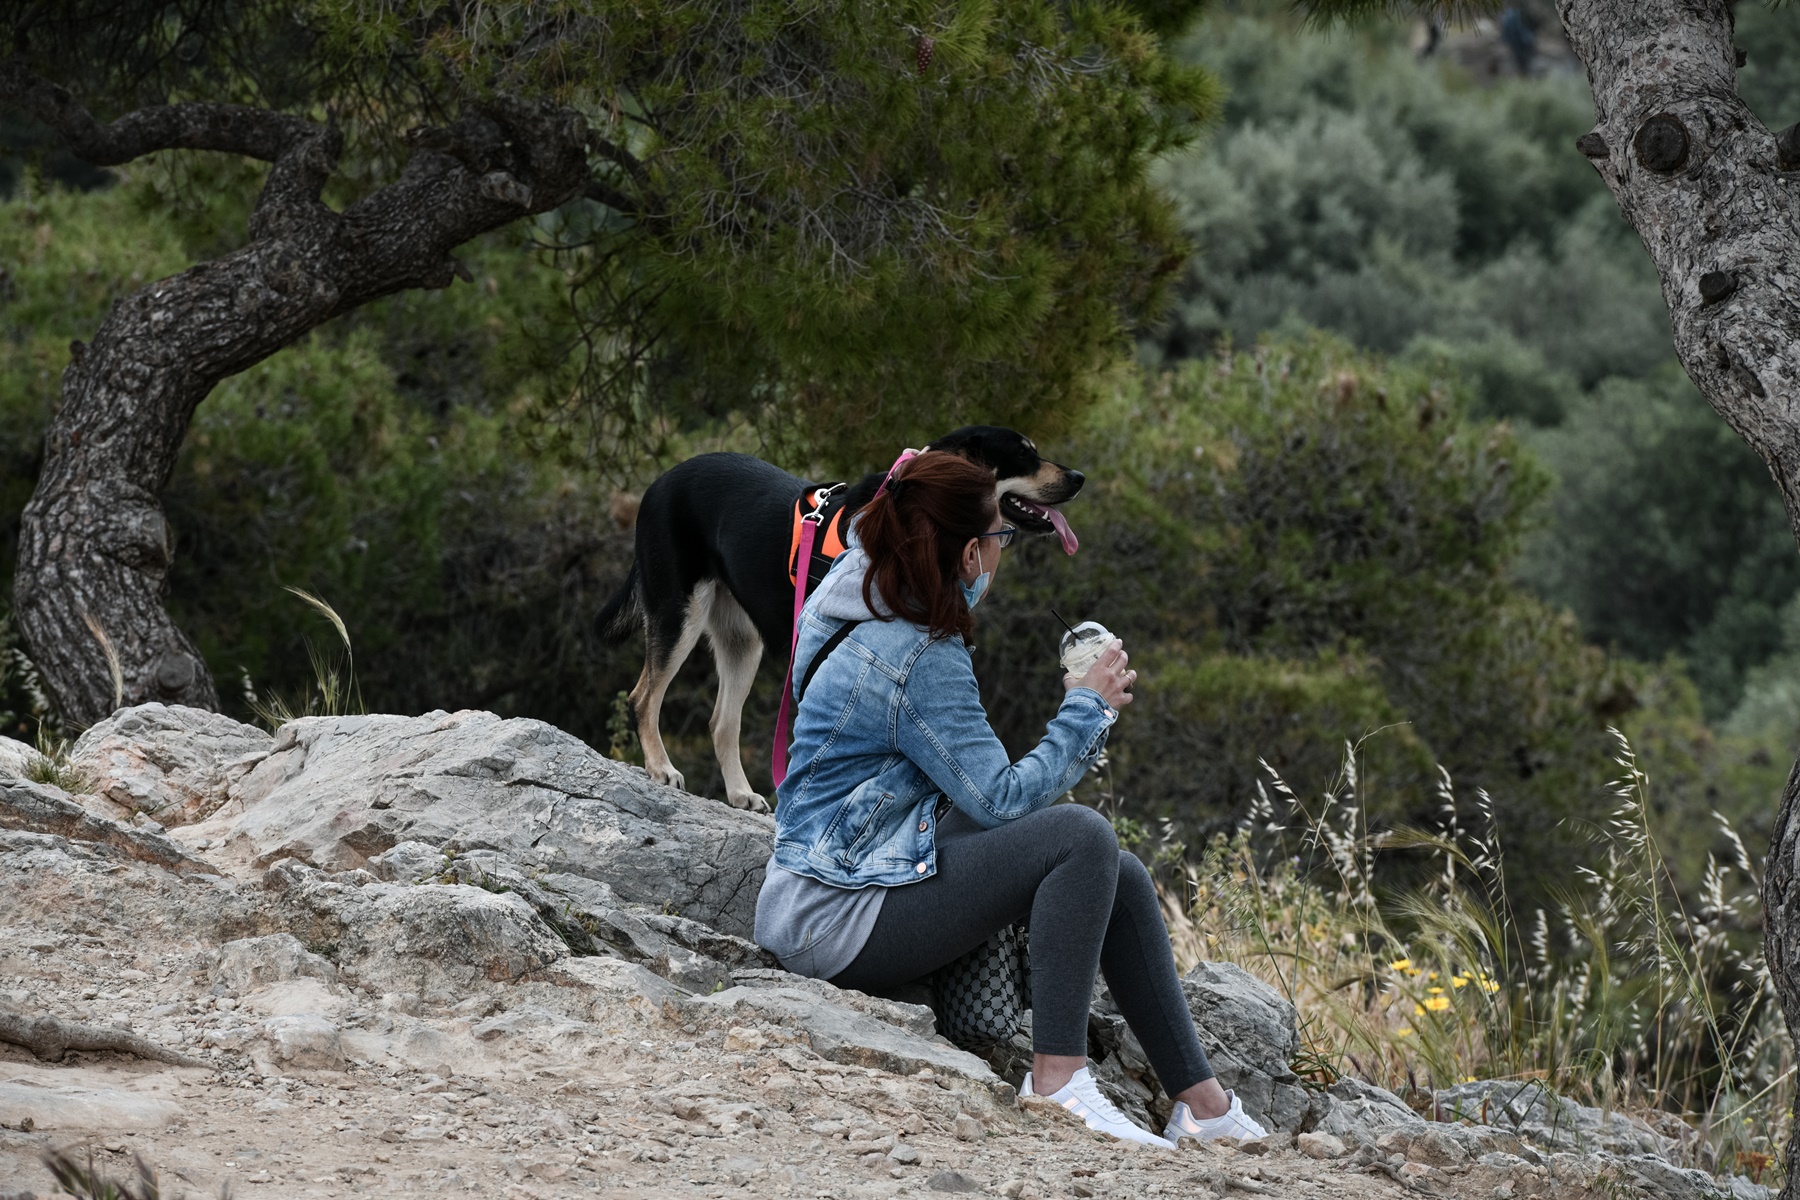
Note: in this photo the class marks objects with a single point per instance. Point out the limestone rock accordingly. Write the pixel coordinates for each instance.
(1319, 1145)
(425, 939)
(306, 1041)
(15, 758)
(251, 963)
(840, 1033)
(174, 762)
(1361, 1112)
(1250, 1033)
(1659, 1178)
(39, 808)
(1549, 1121)
(915, 1019)
(337, 791)
(1121, 1067)
(612, 982)
(62, 1108)
(591, 918)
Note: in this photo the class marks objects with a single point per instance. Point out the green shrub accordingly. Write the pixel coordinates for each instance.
(1665, 533)
(1300, 545)
(1355, 188)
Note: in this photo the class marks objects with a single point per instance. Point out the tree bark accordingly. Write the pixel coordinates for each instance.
(95, 549)
(1712, 193)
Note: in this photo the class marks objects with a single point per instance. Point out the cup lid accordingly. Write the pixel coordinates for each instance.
(1087, 631)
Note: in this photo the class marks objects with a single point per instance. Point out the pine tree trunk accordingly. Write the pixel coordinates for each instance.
(1715, 196)
(95, 549)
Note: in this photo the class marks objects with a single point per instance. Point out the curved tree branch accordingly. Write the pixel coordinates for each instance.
(232, 128)
(94, 546)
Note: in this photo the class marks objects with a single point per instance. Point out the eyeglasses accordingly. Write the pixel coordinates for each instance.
(1006, 534)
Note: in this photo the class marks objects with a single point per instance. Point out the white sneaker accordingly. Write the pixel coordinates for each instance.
(1234, 1122)
(1083, 1097)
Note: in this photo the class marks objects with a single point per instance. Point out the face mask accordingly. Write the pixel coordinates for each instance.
(973, 592)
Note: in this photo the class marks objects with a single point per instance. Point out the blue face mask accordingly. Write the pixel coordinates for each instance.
(973, 592)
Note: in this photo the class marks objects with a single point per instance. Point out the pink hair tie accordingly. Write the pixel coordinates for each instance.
(906, 456)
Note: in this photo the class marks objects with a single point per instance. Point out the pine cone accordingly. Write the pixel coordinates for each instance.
(926, 47)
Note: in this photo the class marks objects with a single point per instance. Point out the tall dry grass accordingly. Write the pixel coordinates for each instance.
(334, 692)
(1628, 993)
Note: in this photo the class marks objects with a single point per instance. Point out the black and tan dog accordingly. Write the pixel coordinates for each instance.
(709, 560)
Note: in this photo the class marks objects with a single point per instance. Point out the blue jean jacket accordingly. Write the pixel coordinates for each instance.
(893, 719)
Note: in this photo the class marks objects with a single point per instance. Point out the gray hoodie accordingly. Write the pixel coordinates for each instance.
(816, 929)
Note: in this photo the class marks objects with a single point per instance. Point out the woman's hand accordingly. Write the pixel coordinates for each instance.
(1108, 676)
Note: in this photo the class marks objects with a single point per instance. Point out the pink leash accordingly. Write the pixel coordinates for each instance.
(809, 532)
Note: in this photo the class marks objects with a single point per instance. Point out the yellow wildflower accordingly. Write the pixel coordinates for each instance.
(1401, 964)
(1435, 991)
(1405, 1031)
(1460, 981)
(1437, 1003)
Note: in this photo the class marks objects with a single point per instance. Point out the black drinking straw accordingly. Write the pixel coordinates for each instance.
(1066, 624)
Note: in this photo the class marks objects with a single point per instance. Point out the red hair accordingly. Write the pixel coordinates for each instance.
(914, 534)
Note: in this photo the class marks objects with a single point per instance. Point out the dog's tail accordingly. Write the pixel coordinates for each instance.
(618, 620)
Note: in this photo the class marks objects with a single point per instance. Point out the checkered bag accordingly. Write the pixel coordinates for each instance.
(982, 996)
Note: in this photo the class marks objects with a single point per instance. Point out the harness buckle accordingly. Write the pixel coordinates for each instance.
(821, 498)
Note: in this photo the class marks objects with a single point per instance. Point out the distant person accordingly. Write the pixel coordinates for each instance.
(1517, 33)
(1434, 34)
(906, 835)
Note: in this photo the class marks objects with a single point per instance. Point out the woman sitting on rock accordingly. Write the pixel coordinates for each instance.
(905, 836)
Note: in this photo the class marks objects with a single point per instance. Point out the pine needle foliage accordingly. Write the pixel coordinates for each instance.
(896, 214)
(873, 218)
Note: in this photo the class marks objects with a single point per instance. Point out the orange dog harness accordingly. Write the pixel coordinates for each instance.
(829, 541)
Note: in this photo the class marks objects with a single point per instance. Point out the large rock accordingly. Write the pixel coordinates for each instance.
(1551, 1122)
(39, 808)
(1362, 1112)
(836, 1031)
(337, 791)
(1665, 1181)
(1251, 1034)
(173, 762)
(247, 964)
(304, 1040)
(435, 939)
(16, 758)
(62, 1108)
(589, 915)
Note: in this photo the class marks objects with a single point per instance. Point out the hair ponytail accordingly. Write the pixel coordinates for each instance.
(914, 534)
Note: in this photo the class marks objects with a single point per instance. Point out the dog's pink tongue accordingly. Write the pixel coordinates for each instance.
(1070, 543)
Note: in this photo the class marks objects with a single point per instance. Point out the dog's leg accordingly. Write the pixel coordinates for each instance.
(663, 657)
(737, 649)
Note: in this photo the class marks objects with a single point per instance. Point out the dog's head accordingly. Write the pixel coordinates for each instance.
(1027, 485)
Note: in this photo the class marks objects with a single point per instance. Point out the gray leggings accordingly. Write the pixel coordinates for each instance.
(1090, 905)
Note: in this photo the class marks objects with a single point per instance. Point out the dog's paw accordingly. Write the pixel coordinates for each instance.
(667, 776)
(749, 800)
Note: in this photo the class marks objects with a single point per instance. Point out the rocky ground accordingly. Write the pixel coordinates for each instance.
(455, 953)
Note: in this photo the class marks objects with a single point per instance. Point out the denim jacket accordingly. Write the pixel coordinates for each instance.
(891, 720)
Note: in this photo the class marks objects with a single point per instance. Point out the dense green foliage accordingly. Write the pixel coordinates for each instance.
(1693, 555)
(1308, 547)
(1355, 188)
(901, 211)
